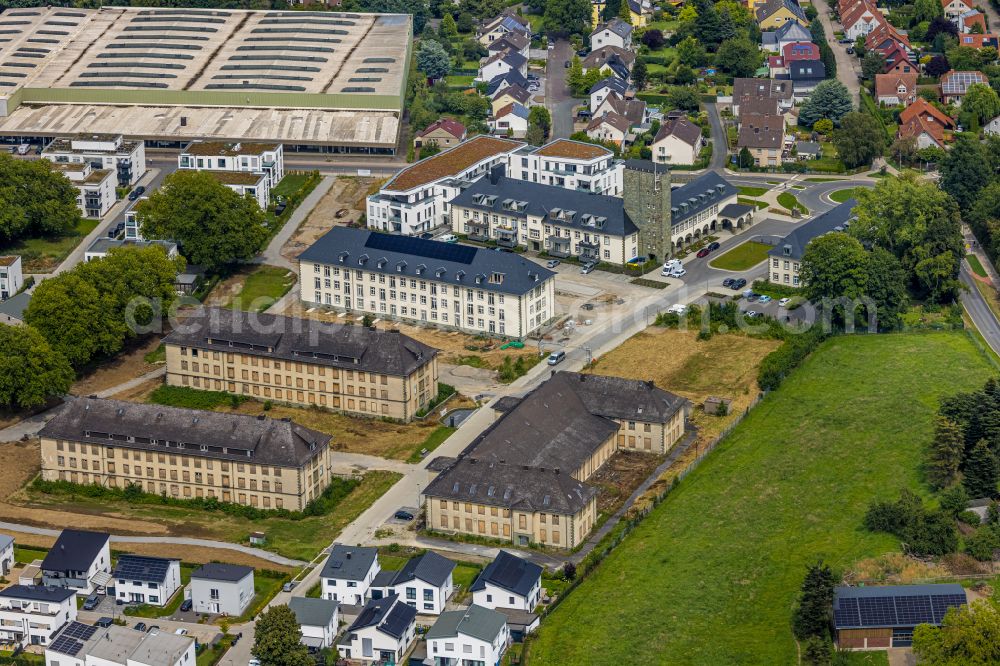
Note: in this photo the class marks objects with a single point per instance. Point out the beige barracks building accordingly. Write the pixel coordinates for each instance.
(186, 453)
(524, 480)
(353, 369)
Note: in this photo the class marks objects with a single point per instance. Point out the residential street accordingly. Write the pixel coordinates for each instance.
(848, 67)
(979, 311)
(558, 99)
(720, 144)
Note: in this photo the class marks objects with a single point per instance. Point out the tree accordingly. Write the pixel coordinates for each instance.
(944, 455)
(940, 26)
(35, 200)
(429, 149)
(886, 288)
(966, 169)
(982, 101)
(215, 226)
(980, 471)
(75, 319)
(816, 651)
(937, 66)
(653, 38)
(538, 116)
(31, 372)
(739, 57)
(690, 52)
(449, 28)
(432, 59)
(823, 126)
(905, 149)
(829, 100)
(567, 17)
(276, 639)
(465, 23)
(859, 140)
(639, 74)
(624, 13)
(825, 52)
(612, 8)
(746, 158)
(574, 77)
(814, 612)
(834, 266)
(708, 26)
(968, 635)
(139, 282)
(872, 64)
(926, 10)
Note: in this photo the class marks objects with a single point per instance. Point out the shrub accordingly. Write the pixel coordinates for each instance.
(969, 518)
(982, 543)
(779, 363)
(954, 500)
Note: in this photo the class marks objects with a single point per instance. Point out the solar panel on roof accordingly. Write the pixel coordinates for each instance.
(877, 611)
(461, 254)
(913, 610)
(942, 602)
(845, 613)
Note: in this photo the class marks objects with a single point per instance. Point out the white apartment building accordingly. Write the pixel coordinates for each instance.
(79, 560)
(318, 621)
(474, 635)
(545, 218)
(81, 644)
(101, 246)
(11, 276)
(6, 554)
(32, 614)
(95, 187)
(349, 573)
(508, 582)
(382, 633)
(225, 589)
(127, 158)
(246, 184)
(416, 199)
(242, 157)
(471, 289)
(424, 582)
(146, 580)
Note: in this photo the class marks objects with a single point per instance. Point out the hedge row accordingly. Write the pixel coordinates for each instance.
(779, 364)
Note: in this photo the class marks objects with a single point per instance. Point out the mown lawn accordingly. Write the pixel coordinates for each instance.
(975, 265)
(263, 286)
(749, 191)
(711, 576)
(840, 196)
(789, 201)
(743, 256)
(290, 184)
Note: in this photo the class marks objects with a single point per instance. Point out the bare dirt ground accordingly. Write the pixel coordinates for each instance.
(225, 291)
(347, 194)
(620, 476)
(125, 366)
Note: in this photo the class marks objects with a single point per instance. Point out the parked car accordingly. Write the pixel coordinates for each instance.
(738, 284)
(555, 358)
(752, 314)
(449, 238)
(181, 632)
(582, 53)
(752, 298)
(783, 302)
(104, 622)
(566, 64)
(587, 269)
(703, 252)
(141, 627)
(186, 605)
(713, 246)
(288, 587)
(91, 602)
(154, 629)
(728, 282)
(764, 298)
(402, 515)
(427, 235)
(676, 273)
(532, 77)
(678, 309)
(552, 263)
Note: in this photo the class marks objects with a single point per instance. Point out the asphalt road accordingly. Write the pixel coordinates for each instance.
(979, 311)
(720, 143)
(558, 99)
(848, 67)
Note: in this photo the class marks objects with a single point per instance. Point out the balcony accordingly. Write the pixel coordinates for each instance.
(506, 237)
(479, 231)
(559, 246)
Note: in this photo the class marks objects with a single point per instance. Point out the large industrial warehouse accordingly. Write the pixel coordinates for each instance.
(314, 81)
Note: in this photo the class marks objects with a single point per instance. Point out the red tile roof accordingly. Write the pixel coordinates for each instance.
(921, 107)
(887, 85)
(800, 51)
(449, 125)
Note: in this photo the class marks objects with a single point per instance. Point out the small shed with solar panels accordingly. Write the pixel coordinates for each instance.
(867, 618)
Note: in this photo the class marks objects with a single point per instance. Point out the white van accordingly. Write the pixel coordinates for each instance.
(678, 309)
(671, 264)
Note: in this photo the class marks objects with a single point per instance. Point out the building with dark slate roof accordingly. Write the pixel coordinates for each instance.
(476, 290)
(186, 453)
(354, 369)
(146, 580)
(382, 633)
(884, 616)
(79, 559)
(508, 582)
(785, 258)
(524, 479)
(424, 582)
(545, 218)
(32, 614)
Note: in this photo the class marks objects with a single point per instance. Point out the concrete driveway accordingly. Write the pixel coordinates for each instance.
(558, 98)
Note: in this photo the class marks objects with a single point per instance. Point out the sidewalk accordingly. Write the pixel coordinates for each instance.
(272, 253)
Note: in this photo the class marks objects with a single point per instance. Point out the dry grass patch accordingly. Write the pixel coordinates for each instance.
(620, 476)
(122, 368)
(346, 193)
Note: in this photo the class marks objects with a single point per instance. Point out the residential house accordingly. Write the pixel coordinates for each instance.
(424, 582)
(785, 258)
(510, 95)
(790, 32)
(95, 188)
(253, 185)
(877, 617)
(600, 91)
(146, 580)
(471, 635)
(884, 36)
(610, 127)
(6, 554)
(953, 9)
(640, 12)
(381, 634)
(513, 42)
(12, 309)
(104, 152)
(318, 621)
(508, 582)
(32, 614)
(764, 137)
(241, 157)
(575, 165)
(898, 60)
(615, 32)
(81, 644)
(924, 122)
(79, 560)
(506, 23)
(678, 141)
(355, 369)
(750, 89)
(807, 150)
(544, 218)
(776, 66)
(992, 127)
(757, 106)
(239, 458)
(510, 121)
(610, 59)
(978, 41)
(896, 89)
(805, 76)
(11, 276)
(772, 14)
(560, 434)
(499, 64)
(221, 589)
(955, 84)
(445, 132)
(799, 51)
(512, 78)
(103, 245)
(971, 19)
(348, 574)
(859, 18)
(634, 110)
